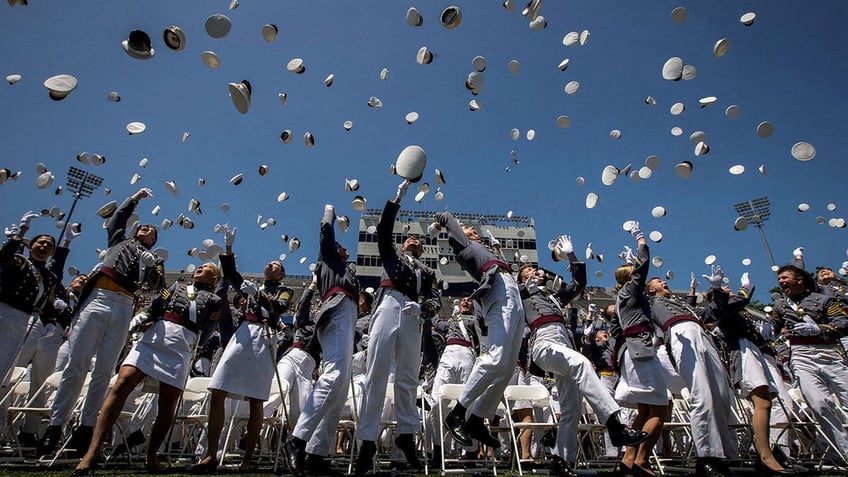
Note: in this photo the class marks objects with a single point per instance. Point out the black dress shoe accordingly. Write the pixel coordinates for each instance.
(365, 459)
(549, 438)
(81, 439)
(136, 438)
(477, 430)
(319, 465)
(763, 470)
(621, 435)
(561, 468)
(296, 456)
(406, 443)
(456, 425)
(51, 440)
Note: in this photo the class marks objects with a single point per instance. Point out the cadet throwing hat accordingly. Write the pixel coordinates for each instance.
(60, 86)
(174, 38)
(410, 163)
(138, 45)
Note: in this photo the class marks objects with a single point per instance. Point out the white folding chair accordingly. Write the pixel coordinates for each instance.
(451, 393)
(539, 398)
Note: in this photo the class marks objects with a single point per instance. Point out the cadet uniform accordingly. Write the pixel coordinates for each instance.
(248, 347)
(298, 363)
(634, 354)
(102, 323)
(699, 365)
(551, 349)
(27, 287)
(181, 313)
(408, 293)
(501, 304)
(334, 328)
(816, 361)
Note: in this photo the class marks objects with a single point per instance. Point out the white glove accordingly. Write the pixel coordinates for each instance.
(629, 257)
(746, 280)
(72, 233)
(805, 329)
(147, 259)
(433, 230)
(329, 208)
(593, 308)
(694, 282)
(26, 219)
(798, 252)
(11, 230)
(767, 330)
(314, 278)
(715, 276)
(249, 288)
(589, 253)
(401, 190)
(636, 232)
(229, 235)
(137, 321)
(492, 240)
(59, 304)
(49, 330)
(565, 245)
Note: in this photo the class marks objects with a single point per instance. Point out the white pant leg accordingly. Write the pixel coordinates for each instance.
(30, 344)
(701, 369)
(382, 338)
(407, 367)
(815, 366)
(13, 328)
(62, 356)
(112, 344)
(492, 371)
(42, 364)
(330, 391)
(82, 345)
(454, 368)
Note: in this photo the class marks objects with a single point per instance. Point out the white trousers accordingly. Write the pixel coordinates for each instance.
(296, 368)
(492, 370)
(101, 328)
(821, 372)
(39, 352)
(454, 368)
(395, 334)
(320, 415)
(13, 328)
(575, 379)
(703, 372)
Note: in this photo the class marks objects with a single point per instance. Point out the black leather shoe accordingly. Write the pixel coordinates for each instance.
(621, 435)
(456, 426)
(319, 465)
(27, 439)
(365, 459)
(710, 467)
(296, 456)
(207, 468)
(136, 438)
(51, 440)
(436, 457)
(763, 470)
(561, 468)
(477, 430)
(406, 443)
(81, 439)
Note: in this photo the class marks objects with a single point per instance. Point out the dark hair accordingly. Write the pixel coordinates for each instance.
(34, 239)
(155, 230)
(369, 298)
(806, 278)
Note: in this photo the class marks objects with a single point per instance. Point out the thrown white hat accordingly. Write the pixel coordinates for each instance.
(240, 95)
(174, 38)
(410, 163)
(60, 86)
(218, 25)
(137, 45)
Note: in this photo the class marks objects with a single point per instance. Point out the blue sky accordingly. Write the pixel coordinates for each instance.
(788, 68)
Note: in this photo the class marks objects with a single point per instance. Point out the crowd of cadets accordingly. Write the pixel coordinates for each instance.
(627, 359)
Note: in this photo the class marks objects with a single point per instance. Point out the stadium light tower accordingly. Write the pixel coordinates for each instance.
(757, 211)
(82, 184)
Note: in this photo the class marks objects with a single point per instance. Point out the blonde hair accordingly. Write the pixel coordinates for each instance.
(623, 274)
